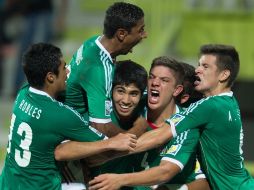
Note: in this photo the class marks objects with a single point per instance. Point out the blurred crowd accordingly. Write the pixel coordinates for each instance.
(23, 22)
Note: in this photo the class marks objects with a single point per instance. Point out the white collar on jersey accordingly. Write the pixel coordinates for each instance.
(177, 111)
(40, 92)
(97, 41)
(230, 93)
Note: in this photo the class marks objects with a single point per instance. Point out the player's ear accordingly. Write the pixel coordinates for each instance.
(178, 90)
(121, 34)
(50, 77)
(184, 98)
(224, 75)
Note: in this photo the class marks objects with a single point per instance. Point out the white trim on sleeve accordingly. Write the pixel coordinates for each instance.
(181, 166)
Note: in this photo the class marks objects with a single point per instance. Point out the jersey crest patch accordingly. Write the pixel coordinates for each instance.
(177, 118)
(174, 149)
(108, 106)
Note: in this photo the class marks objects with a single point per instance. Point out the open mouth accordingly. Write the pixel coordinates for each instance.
(155, 93)
(124, 108)
(154, 96)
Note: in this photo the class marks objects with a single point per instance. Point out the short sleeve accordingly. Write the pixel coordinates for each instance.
(72, 126)
(181, 148)
(97, 84)
(197, 115)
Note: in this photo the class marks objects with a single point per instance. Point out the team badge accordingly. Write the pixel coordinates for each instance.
(177, 118)
(108, 105)
(174, 149)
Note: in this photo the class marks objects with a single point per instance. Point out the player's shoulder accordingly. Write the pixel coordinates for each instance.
(66, 111)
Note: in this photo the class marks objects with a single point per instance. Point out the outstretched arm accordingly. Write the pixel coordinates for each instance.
(153, 176)
(73, 150)
(148, 140)
(154, 138)
(110, 129)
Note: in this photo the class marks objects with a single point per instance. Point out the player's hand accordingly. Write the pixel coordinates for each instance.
(123, 142)
(105, 182)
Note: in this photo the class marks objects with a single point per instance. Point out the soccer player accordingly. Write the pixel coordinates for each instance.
(216, 117)
(39, 123)
(129, 83)
(92, 66)
(189, 94)
(165, 81)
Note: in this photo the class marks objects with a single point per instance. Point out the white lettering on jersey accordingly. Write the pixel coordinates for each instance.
(30, 109)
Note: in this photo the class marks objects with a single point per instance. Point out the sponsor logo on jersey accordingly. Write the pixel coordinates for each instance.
(174, 149)
(108, 106)
(177, 118)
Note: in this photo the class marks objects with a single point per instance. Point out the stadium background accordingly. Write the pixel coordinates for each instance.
(175, 28)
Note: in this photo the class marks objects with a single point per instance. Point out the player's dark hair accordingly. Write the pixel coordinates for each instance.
(227, 59)
(121, 15)
(38, 60)
(171, 64)
(188, 86)
(128, 72)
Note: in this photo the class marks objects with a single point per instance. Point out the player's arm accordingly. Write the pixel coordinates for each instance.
(73, 150)
(153, 176)
(154, 138)
(145, 142)
(199, 184)
(110, 129)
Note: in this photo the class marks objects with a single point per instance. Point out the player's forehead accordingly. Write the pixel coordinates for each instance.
(127, 87)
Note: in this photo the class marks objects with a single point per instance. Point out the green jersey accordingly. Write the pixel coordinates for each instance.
(39, 123)
(221, 137)
(123, 164)
(90, 81)
(181, 151)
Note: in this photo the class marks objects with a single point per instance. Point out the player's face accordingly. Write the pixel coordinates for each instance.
(62, 76)
(161, 87)
(134, 37)
(125, 99)
(207, 75)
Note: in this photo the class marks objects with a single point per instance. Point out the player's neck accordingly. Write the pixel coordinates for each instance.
(159, 116)
(216, 91)
(111, 45)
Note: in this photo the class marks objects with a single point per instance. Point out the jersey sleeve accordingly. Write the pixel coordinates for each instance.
(74, 127)
(197, 115)
(97, 84)
(180, 149)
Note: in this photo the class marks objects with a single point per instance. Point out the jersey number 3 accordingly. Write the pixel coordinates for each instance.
(23, 157)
